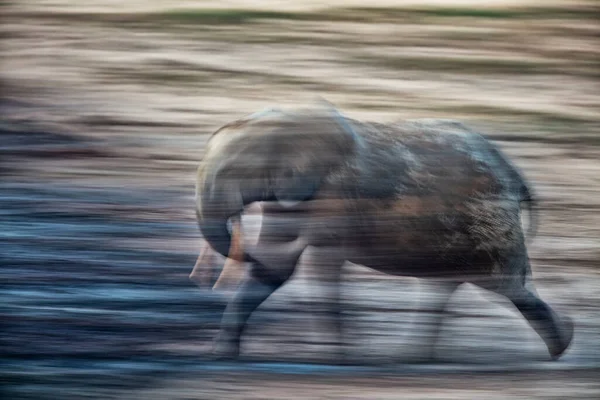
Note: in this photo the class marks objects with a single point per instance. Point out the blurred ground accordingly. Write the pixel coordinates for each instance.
(105, 110)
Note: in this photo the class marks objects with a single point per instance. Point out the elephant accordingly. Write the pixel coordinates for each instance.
(429, 199)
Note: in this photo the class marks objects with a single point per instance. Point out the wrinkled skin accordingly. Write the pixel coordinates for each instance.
(428, 199)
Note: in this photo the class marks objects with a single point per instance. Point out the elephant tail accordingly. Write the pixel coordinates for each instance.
(525, 193)
(531, 204)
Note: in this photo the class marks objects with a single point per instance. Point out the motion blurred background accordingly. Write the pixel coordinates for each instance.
(105, 109)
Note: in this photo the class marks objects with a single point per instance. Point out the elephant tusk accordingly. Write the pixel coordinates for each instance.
(202, 269)
(233, 270)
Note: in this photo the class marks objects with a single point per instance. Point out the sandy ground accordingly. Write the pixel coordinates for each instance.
(390, 385)
(104, 118)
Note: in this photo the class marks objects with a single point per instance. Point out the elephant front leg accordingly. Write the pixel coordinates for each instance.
(252, 292)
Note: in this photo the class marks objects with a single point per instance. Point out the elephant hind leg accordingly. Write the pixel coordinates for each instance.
(555, 330)
(433, 298)
(516, 284)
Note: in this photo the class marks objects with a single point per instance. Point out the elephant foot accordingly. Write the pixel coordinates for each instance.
(225, 349)
(565, 335)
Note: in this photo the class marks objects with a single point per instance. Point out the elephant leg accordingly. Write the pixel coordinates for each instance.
(322, 274)
(256, 287)
(250, 294)
(433, 298)
(555, 329)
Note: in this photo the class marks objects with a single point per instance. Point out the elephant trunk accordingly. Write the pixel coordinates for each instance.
(217, 202)
(216, 234)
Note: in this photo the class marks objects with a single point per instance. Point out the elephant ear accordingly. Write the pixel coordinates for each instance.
(320, 141)
(296, 189)
(295, 185)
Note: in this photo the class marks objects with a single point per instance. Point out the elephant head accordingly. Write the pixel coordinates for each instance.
(273, 156)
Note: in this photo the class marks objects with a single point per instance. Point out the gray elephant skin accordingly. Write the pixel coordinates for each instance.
(429, 199)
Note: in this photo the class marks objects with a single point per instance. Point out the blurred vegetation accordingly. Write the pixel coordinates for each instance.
(204, 16)
(249, 52)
